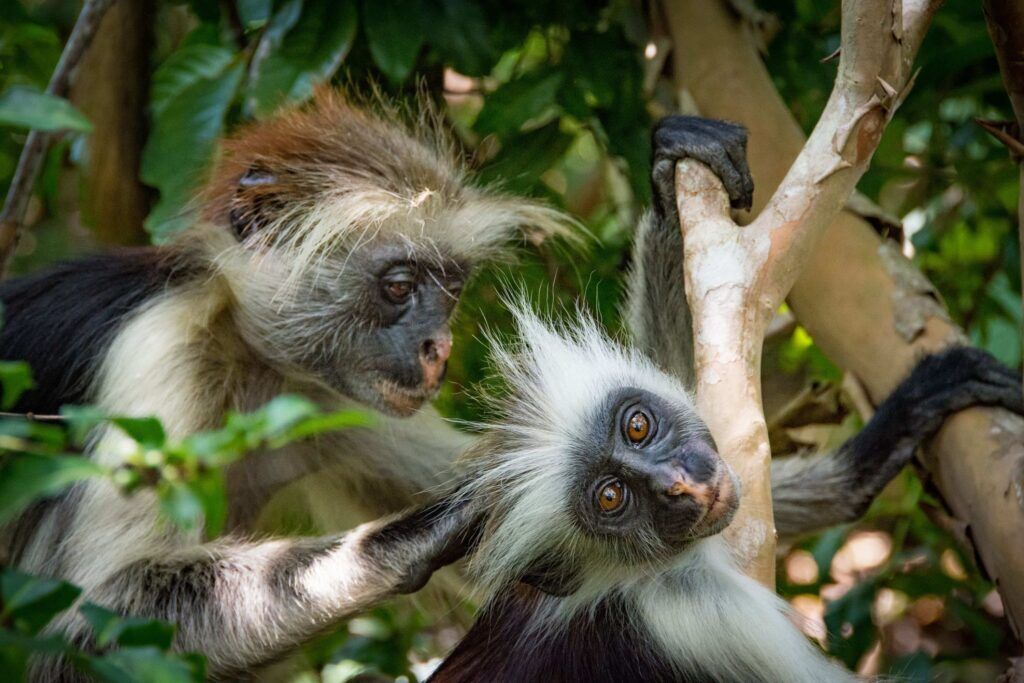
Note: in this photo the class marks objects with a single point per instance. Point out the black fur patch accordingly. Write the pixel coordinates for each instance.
(63, 320)
(603, 645)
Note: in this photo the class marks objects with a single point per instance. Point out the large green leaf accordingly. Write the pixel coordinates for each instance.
(513, 104)
(307, 54)
(186, 66)
(29, 108)
(395, 31)
(30, 602)
(109, 628)
(150, 664)
(146, 431)
(182, 143)
(27, 476)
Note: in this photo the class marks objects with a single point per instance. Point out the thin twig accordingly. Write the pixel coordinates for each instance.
(34, 417)
(12, 216)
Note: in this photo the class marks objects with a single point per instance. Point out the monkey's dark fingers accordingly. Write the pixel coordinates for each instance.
(718, 144)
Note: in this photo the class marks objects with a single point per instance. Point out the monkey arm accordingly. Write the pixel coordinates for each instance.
(244, 604)
(809, 494)
(656, 307)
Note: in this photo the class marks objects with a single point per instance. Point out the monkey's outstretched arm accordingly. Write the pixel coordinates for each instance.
(813, 493)
(244, 604)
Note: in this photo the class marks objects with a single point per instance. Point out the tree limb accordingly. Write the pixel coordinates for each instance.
(864, 304)
(12, 216)
(737, 278)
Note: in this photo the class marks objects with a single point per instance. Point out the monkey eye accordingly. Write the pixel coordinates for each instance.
(399, 287)
(611, 495)
(638, 427)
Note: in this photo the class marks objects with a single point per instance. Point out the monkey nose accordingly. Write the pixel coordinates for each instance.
(434, 354)
(682, 485)
(436, 350)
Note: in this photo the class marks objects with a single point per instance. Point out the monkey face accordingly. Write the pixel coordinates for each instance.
(656, 474)
(371, 324)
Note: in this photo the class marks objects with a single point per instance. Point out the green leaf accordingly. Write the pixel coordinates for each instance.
(180, 504)
(27, 476)
(459, 31)
(146, 431)
(525, 157)
(81, 420)
(30, 602)
(25, 107)
(183, 69)
(306, 55)
(181, 145)
(16, 377)
(42, 437)
(394, 29)
(209, 489)
(506, 109)
(109, 628)
(319, 424)
(284, 412)
(128, 665)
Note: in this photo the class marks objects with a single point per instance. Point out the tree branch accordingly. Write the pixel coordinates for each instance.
(737, 278)
(12, 216)
(863, 303)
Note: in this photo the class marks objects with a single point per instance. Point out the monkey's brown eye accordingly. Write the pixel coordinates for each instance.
(611, 496)
(398, 290)
(638, 427)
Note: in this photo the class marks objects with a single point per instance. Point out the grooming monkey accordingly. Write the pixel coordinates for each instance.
(605, 495)
(333, 244)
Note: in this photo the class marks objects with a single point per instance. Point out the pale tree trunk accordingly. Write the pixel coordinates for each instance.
(112, 89)
(867, 308)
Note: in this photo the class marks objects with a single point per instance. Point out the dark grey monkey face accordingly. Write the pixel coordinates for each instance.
(373, 324)
(649, 483)
(398, 305)
(650, 469)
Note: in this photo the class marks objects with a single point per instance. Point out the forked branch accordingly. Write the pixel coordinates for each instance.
(737, 277)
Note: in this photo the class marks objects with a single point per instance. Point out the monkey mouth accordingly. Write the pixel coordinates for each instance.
(721, 509)
(404, 400)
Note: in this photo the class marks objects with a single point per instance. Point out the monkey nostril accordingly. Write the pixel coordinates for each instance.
(436, 351)
(428, 351)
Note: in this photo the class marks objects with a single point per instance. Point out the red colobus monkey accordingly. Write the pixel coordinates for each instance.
(333, 244)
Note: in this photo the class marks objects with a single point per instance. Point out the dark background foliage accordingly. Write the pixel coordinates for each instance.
(553, 99)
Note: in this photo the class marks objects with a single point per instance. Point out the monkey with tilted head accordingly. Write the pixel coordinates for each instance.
(605, 496)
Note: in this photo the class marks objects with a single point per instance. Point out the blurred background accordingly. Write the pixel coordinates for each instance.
(556, 100)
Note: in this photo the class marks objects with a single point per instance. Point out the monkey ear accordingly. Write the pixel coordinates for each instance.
(254, 203)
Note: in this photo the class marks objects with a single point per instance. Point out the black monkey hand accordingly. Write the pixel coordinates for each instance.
(720, 145)
(952, 380)
(422, 541)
